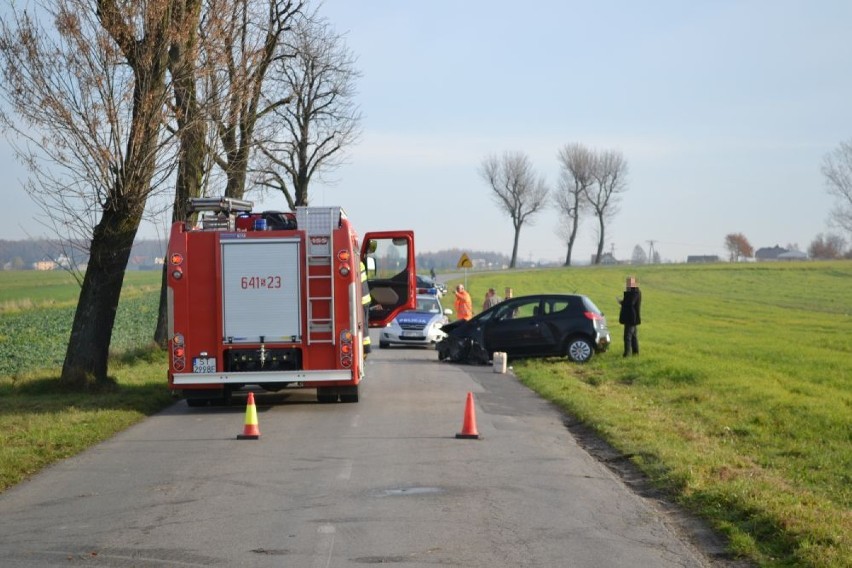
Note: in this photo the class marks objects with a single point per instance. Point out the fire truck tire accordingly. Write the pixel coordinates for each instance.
(349, 394)
(326, 395)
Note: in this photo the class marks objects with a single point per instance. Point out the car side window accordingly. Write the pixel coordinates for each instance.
(505, 311)
(557, 306)
(526, 309)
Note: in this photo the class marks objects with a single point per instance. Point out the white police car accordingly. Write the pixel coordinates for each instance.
(426, 285)
(421, 326)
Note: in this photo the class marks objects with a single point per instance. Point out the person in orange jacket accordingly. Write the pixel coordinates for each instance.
(463, 304)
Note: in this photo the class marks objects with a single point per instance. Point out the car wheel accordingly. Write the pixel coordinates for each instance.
(579, 350)
(477, 355)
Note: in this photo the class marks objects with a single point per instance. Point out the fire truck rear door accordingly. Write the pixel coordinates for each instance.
(261, 290)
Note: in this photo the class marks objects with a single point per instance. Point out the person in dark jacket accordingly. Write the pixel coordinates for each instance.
(630, 316)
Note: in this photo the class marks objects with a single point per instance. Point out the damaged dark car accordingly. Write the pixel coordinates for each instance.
(542, 325)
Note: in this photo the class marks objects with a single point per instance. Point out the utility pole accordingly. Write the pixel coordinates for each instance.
(650, 251)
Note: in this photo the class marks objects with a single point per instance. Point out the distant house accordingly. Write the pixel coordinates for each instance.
(606, 258)
(44, 265)
(767, 253)
(696, 258)
(141, 262)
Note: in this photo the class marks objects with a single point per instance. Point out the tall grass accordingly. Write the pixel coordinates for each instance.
(740, 403)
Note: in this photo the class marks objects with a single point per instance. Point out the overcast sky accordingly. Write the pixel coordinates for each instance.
(723, 110)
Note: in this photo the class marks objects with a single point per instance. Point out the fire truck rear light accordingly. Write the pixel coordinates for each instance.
(346, 348)
(177, 339)
(343, 270)
(177, 273)
(343, 256)
(177, 258)
(179, 352)
(178, 365)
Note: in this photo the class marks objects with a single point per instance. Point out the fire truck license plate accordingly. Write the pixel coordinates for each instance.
(204, 364)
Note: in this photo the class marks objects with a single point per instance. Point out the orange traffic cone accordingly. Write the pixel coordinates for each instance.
(469, 426)
(251, 431)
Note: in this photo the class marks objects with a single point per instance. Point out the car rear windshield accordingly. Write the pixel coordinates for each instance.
(590, 305)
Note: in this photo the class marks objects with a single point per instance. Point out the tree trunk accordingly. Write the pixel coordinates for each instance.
(237, 169)
(302, 177)
(191, 134)
(161, 330)
(302, 187)
(571, 239)
(86, 359)
(514, 260)
(600, 240)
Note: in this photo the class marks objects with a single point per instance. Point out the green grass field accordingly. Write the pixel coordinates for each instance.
(37, 310)
(740, 405)
(39, 423)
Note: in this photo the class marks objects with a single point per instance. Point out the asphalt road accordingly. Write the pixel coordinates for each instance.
(383, 481)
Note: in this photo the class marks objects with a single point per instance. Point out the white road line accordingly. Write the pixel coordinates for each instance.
(325, 547)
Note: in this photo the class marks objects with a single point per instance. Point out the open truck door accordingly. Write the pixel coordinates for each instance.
(391, 274)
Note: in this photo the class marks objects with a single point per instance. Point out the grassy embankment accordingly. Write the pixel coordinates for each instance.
(740, 403)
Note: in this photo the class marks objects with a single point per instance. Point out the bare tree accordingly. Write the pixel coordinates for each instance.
(517, 190)
(603, 196)
(639, 256)
(92, 141)
(738, 247)
(576, 163)
(837, 169)
(242, 41)
(189, 117)
(321, 119)
(827, 247)
(190, 126)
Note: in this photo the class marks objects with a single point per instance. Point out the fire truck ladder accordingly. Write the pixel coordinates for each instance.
(319, 224)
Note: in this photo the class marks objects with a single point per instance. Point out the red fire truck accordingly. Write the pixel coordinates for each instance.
(274, 300)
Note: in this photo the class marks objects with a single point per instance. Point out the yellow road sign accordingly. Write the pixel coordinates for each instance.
(464, 261)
